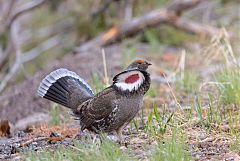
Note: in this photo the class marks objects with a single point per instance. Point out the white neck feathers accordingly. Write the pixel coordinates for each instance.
(124, 86)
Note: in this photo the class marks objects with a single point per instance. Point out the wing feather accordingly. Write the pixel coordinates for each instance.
(97, 108)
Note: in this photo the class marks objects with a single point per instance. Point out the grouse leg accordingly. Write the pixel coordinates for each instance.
(119, 134)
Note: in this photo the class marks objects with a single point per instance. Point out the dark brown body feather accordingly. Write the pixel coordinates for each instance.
(112, 108)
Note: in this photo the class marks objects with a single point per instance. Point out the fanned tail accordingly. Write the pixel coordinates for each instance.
(65, 87)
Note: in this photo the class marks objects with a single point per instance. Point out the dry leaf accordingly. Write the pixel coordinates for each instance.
(4, 128)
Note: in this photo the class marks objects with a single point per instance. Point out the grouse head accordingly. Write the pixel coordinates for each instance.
(134, 79)
(139, 64)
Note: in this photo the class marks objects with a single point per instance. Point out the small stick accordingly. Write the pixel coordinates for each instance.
(40, 139)
(76, 148)
(105, 68)
(182, 63)
(175, 99)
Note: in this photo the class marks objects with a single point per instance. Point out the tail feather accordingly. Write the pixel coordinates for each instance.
(65, 87)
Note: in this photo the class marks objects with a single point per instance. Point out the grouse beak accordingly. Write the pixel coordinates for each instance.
(148, 63)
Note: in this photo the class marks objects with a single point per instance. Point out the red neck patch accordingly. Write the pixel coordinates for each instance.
(132, 78)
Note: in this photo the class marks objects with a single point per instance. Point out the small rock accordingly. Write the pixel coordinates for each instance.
(20, 134)
(113, 138)
(55, 134)
(67, 142)
(123, 148)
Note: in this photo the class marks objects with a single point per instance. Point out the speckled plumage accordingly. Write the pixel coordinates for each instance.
(109, 110)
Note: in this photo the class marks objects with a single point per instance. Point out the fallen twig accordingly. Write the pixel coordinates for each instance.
(7, 21)
(169, 15)
(44, 46)
(25, 57)
(23, 9)
(40, 139)
(102, 8)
